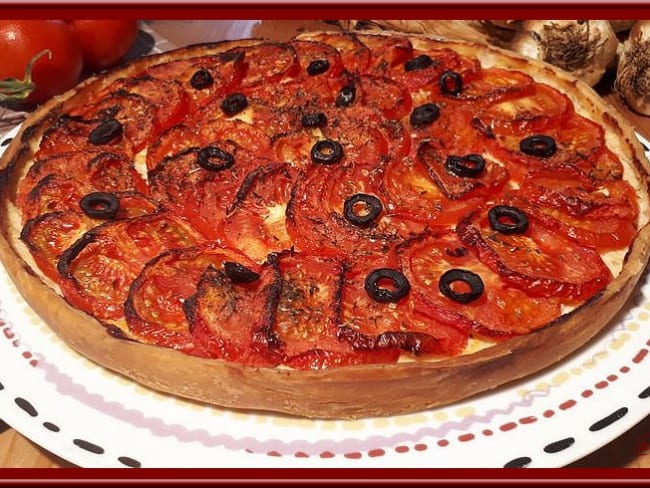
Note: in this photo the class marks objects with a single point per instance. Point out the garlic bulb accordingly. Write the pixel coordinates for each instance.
(633, 73)
(582, 47)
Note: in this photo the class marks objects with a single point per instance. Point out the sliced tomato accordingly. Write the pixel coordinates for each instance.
(456, 185)
(316, 218)
(498, 312)
(154, 310)
(255, 221)
(233, 320)
(409, 323)
(355, 55)
(317, 60)
(530, 113)
(540, 261)
(49, 234)
(387, 52)
(201, 195)
(415, 201)
(167, 96)
(391, 98)
(96, 271)
(306, 318)
(90, 170)
(203, 78)
(269, 62)
(494, 85)
(70, 135)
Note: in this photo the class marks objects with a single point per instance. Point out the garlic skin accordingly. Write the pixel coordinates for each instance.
(581, 47)
(633, 74)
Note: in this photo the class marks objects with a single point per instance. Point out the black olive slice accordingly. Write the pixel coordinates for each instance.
(234, 103)
(326, 151)
(538, 145)
(418, 63)
(346, 96)
(105, 132)
(100, 205)
(399, 285)
(507, 219)
(424, 115)
(316, 119)
(471, 279)
(451, 83)
(238, 273)
(201, 79)
(470, 166)
(213, 158)
(362, 210)
(318, 67)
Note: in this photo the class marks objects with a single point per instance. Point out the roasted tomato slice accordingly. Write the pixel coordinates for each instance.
(232, 319)
(496, 311)
(387, 52)
(167, 96)
(96, 271)
(154, 309)
(89, 170)
(255, 221)
(200, 182)
(318, 217)
(533, 257)
(595, 213)
(388, 96)
(269, 62)
(121, 114)
(306, 318)
(461, 176)
(493, 85)
(382, 310)
(203, 78)
(49, 234)
(354, 54)
(70, 134)
(416, 201)
(317, 60)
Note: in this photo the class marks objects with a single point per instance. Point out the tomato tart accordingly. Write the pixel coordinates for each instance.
(343, 225)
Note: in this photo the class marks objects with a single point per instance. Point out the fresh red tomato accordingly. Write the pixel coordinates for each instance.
(53, 72)
(104, 42)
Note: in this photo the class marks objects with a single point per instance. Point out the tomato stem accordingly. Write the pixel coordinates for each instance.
(12, 89)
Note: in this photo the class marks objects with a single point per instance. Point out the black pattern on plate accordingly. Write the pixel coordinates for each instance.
(558, 446)
(88, 446)
(609, 420)
(645, 393)
(51, 427)
(520, 462)
(26, 406)
(6, 142)
(130, 462)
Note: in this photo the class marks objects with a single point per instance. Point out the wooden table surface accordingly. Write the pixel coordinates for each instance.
(630, 450)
